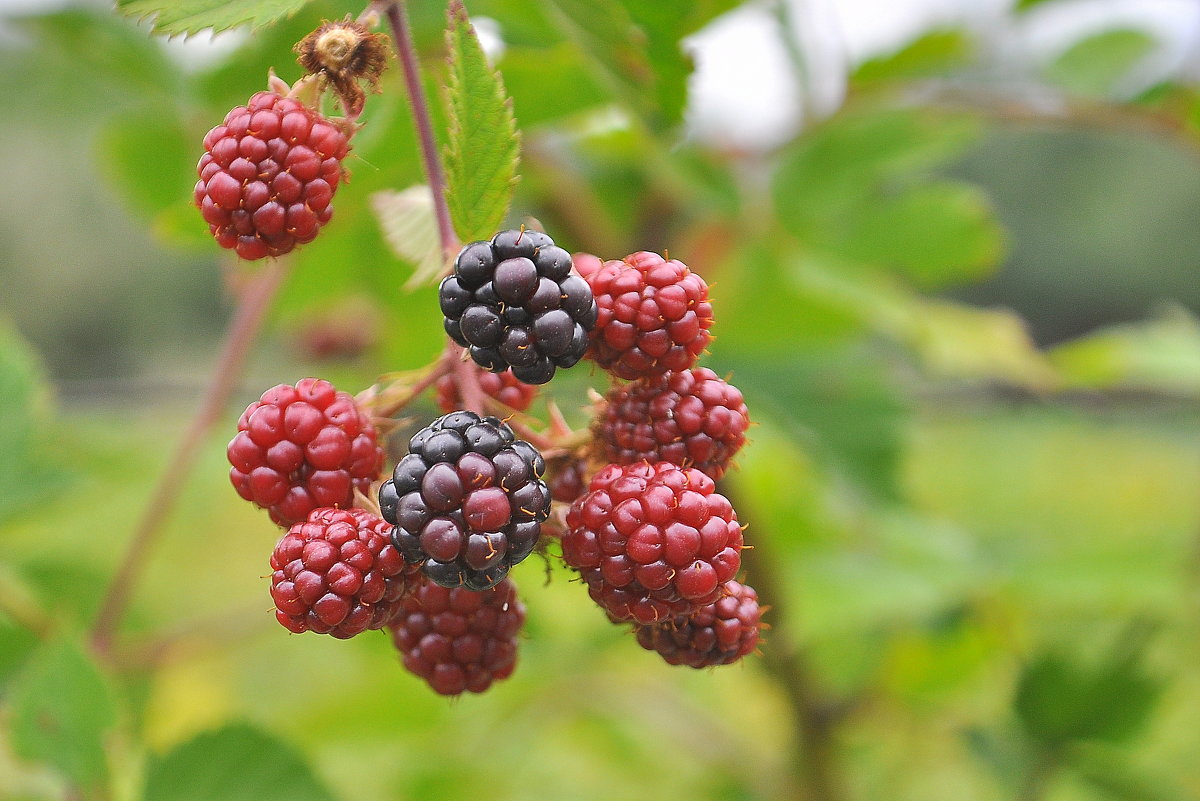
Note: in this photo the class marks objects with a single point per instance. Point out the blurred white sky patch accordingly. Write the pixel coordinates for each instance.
(743, 94)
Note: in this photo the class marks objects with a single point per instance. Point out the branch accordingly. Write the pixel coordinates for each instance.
(243, 330)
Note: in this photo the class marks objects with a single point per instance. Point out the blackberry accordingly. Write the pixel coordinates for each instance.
(502, 386)
(719, 633)
(457, 639)
(692, 417)
(337, 573)
(653, 314)
(514, 302)
(653, 542)
(303, 447)
(468, 501)
(268, 174)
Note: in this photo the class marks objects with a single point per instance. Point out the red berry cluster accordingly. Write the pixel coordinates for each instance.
(653, 540)
(268, 174)
(302, 447)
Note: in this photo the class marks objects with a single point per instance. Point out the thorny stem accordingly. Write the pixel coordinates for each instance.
(243, 330)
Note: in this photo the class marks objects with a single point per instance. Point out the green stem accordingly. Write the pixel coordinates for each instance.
(243, 331)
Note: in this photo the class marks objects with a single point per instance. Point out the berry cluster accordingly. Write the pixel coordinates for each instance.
(467, 501)
(426, 554)
(514, 302)
(302, 447)
(268, 174)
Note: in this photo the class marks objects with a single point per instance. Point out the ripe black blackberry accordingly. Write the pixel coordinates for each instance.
(457, 639)
(718, 634)
(653, 542)
(691, 417)
(338, 573)
(468, 501)
(514, 302)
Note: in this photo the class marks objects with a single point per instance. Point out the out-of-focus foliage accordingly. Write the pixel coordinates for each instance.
(964, 322)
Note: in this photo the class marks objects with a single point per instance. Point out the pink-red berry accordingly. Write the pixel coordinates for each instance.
(720, 633)
(268, 174)
(337, 573)
(653, 314)
(502, 386)
(692, 417)
(653, 542)
(302, 447)
(459, 640)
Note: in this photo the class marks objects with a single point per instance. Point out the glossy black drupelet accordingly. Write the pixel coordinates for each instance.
(514, 302)
(468, 500)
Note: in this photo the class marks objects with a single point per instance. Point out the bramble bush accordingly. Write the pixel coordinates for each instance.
(501, 318)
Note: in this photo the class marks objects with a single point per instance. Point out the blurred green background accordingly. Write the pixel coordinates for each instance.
(959, 295)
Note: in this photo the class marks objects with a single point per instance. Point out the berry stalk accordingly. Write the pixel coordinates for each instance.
(398, 20)
(243, 331)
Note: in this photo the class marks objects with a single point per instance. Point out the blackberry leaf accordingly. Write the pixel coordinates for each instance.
(192, 16)
(484, 145)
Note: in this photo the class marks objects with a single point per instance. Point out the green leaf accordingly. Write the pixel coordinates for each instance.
(24, 402)
(1107, 769)
(937, 233)
(193, 16)
(548, 83)
(234, 763)
(62, 707)
(934, 53)
(1161, 354)
(1096, 65)
(151, 158)
(1060, 700)
(407, 221)
(616, 50)
(484, 145)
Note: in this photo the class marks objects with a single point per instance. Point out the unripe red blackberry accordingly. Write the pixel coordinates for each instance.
(514, 302)
(720, 633)
(567, 477)
(457, 639)
(653, 314)
(502, 386)
(337, 573)
(468, 501)
(303, 447)
(268, 174)
(653, 542)
(692, 417)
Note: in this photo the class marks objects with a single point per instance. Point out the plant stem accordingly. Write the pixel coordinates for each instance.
(465, 374)
(420, 111)
(814, 717)
(243, 330)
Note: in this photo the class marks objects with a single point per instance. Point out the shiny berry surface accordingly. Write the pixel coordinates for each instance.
(719, 633)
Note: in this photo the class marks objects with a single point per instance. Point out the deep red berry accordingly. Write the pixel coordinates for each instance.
(653, 542)
(692, 417)
(303, 447)
(459, 640)
(567, 477)
(653, 314)
(514, 303)
(268, 174)
(337, 573)
(502, 386)
(468, 501)
(719, 633)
